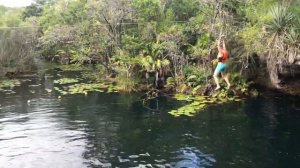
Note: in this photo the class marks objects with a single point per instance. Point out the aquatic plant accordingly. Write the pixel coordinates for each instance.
(65, 81)
(199, 103)
(93, 75)
(183, 97)
(73, 67)
(84, 88)
(9, 83)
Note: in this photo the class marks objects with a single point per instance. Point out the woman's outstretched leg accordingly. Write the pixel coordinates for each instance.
(225, 77)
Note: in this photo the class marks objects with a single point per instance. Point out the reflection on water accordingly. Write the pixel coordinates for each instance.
(192, 157)
(114, 130)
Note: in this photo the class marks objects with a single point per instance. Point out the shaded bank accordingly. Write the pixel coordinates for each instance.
(288, 77)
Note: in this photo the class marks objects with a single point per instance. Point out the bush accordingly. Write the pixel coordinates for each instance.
(194, 76)
(16, 50)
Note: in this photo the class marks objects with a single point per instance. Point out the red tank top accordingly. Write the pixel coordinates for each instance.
(225, 55)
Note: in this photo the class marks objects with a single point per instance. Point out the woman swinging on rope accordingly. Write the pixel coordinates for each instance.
(222, 66)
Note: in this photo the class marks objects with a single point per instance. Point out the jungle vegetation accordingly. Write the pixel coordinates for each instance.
(138, 42)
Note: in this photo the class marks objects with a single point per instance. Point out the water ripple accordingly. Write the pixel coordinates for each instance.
(39, 138)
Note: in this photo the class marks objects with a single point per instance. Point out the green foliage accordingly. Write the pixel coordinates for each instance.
(133, 44)
(126, 84)
(171, 82)
(139, 38)
(11, 17)
(281, 18)
(127, 67)
(184, 9)
(154, 62)
(3, 10)
(194, 76)
(75, 12)
(31, 11)
(251, 36)
(256, 12)
(147, 63)
(241, 83)
(148, 10)
(201, 49)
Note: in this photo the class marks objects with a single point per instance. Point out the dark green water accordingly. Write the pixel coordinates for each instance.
(114, 130)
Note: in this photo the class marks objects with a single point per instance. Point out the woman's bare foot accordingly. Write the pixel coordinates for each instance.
(217, 88)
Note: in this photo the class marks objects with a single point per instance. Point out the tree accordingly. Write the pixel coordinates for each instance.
(32, 10)
(184, 9)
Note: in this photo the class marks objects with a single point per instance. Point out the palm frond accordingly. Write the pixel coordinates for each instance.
(281, 18)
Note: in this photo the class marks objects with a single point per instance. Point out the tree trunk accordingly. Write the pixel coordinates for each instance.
(273, 70)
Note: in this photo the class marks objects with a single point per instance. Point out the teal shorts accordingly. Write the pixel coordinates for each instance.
(221, 67)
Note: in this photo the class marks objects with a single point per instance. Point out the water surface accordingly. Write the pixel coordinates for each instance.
(115, 130)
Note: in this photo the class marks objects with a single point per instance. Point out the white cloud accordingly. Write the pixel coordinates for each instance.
(15, 3)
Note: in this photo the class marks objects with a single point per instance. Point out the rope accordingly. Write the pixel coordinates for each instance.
(122, 23)
(22, 27)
